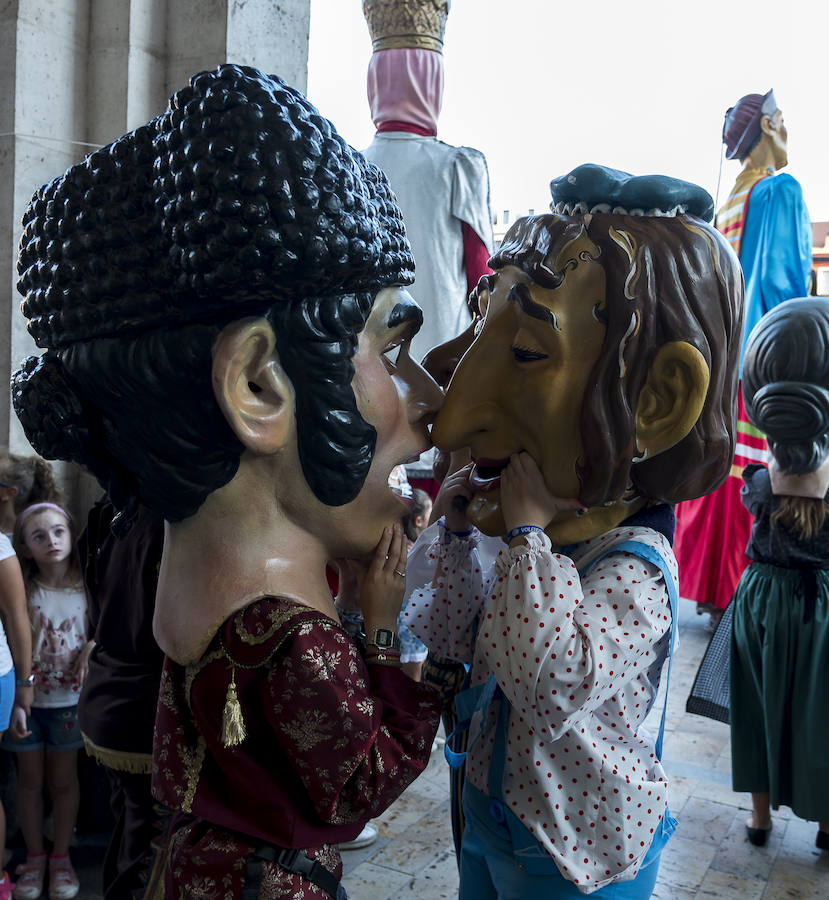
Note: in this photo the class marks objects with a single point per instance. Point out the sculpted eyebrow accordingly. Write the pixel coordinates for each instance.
(520, 294)
(406, 313)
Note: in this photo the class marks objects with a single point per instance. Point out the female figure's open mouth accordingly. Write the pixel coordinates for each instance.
(486, 473)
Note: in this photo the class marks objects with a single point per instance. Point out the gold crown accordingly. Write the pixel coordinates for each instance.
(417, 24)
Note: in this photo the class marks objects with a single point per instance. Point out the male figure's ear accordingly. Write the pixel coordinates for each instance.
(251, 387)
(672, 399)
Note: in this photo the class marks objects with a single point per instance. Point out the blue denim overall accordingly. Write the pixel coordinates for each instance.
(500, 857)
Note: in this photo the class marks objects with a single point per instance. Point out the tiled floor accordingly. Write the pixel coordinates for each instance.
(708, 857)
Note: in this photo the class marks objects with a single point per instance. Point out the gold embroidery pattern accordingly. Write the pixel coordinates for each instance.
(309, 728)
(323, 664)
(277, 617)
(193, 761)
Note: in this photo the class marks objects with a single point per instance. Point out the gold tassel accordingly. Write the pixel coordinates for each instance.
(233, 725)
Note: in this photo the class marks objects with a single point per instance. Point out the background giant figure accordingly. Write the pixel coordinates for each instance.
(443, 190)
(766, 222)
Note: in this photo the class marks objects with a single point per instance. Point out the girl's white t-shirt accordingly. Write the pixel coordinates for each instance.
(58, 635)
(6, 550)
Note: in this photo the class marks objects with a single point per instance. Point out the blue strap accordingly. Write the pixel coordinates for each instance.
(467, 703)
(637, 548)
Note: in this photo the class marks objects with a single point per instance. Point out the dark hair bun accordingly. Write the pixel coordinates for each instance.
(791, 411)
(786, 382)
(49, 409)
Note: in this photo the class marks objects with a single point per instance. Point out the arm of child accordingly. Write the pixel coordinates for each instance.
(18, 722)
(18, 628)
(80, 669)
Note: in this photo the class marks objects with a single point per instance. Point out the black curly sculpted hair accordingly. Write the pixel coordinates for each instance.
(239, 200)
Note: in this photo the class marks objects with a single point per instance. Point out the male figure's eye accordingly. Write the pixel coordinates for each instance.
(523, 355)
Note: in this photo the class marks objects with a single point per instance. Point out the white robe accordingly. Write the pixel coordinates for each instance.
(438, 187)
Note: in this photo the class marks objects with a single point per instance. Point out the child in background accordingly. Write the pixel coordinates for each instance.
(24, 480)
(780, 630)
(15, 663)
(45, 543)
(413, 651)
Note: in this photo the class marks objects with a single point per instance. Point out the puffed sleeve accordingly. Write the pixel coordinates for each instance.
(756, 490)
(357, 734)
(470, 193)
(446, 587)
(786, 263)
(560, 646)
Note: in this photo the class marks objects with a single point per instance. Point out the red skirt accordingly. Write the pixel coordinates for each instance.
(712, 532)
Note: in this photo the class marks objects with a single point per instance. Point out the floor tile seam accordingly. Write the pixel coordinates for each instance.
(697, 772)
(387, 868)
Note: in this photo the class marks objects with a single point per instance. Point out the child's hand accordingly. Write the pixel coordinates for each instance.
(81, 668)
(381, 590)
(525, 499)
(453, 498)
(17, 725)
(23, 696)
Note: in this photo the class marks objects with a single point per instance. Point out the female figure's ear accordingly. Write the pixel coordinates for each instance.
(672, 399)
(250, 386)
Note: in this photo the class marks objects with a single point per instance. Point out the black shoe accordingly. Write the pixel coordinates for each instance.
(759, 836)
(822, 840)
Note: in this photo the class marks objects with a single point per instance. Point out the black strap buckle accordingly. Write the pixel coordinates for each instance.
(298, 862)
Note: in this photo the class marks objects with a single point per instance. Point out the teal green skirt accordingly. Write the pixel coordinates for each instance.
(780, 688)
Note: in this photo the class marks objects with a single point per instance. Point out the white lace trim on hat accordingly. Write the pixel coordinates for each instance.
(581, 208)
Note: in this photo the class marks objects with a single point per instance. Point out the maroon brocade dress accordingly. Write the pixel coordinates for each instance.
(331, 742)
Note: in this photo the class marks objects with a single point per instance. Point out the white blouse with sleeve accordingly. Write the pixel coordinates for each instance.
(579, 661)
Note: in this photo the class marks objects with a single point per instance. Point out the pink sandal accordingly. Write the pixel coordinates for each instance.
(63, 882)
(29, 885)
(6, 887)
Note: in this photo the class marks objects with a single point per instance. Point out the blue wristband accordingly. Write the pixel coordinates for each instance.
(460, 534)
(522, 529)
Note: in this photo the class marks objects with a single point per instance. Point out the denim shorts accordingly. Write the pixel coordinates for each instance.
(56, 728)
(6, 698)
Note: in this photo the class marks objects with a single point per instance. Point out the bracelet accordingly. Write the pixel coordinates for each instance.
(383, 657)
(460, 534)
(383, 660)
(522, 529)
(25, 682)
